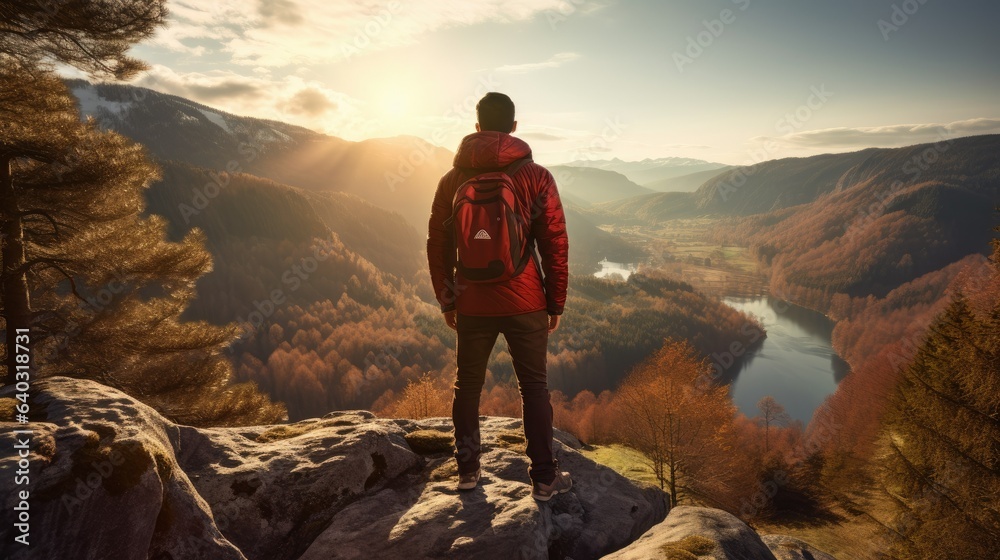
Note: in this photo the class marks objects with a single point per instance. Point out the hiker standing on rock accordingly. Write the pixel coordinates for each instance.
(490, 213)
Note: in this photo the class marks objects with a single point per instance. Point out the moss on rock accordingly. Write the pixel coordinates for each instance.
(430, 441)
(688, 548)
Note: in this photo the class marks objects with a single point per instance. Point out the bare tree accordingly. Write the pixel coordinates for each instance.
(771, 414)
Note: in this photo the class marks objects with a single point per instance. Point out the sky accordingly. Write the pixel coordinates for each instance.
(731, 81)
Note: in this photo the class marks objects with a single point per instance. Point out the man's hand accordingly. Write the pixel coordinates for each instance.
(451, 318)
(553, 322)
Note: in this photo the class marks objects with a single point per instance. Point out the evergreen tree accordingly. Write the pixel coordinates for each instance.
(940, 442)
(98, 284)
(92, 35)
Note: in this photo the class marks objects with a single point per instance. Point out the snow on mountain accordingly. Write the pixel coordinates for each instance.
(216, 119)
(93, 104)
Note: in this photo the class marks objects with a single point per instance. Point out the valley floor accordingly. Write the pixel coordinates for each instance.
(681, 248)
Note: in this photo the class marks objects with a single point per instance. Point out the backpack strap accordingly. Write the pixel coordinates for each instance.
(516, 166)
(466, 173)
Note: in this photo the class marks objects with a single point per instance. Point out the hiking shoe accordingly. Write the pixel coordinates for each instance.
(469, 481)
(560, 485)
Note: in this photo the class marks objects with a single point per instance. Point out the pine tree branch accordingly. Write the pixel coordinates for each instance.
(47, 216)
(24, 268)
(72, 281)
(934, 486)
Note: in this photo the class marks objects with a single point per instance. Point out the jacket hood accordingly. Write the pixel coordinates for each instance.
(490, 150)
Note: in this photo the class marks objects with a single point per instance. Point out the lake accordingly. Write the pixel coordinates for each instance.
(608, 268)
(795, 364)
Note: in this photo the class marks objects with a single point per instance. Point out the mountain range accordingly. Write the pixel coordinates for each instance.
(396, 174)
(857, 223)
(649, 171)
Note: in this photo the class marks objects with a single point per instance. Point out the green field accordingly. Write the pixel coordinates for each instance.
(847, 540)
(624, 460)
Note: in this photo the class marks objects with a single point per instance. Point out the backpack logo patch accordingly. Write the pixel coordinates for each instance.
(482, 234)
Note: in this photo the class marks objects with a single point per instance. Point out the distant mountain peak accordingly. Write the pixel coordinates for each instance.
(649, 170)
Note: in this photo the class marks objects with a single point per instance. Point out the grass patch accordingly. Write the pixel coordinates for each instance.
(624, 460)
(287, 431)
(851, 538)
(429, 441)
(688, 548)
(511, 439)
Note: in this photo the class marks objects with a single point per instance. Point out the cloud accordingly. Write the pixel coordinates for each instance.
(541, 136)
(326, 31)
(311, 102)
(554, 61)
(223, 89)
(290, 99)
(885, 136)
(279, 11)
(686, 146)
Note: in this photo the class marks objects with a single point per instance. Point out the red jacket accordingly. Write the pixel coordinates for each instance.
(526, 292)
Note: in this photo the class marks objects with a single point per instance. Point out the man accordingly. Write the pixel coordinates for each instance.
(525, 308)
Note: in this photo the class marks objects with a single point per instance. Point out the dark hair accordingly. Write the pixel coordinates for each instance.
(495, 112)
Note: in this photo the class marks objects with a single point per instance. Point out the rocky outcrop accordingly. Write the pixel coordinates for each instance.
(691, 533)
(111, 478)
(695, 532)
(790, 548)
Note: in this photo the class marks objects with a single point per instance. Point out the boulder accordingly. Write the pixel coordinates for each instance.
(690, 533)
(421, 515)
(111, 478)
(790, 548)
(103, 481)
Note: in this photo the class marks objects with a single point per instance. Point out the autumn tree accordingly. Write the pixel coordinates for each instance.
(422, 398)
(771, 414)
(682, 426)
(939, 460)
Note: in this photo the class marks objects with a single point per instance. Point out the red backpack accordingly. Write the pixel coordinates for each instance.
(490, 231)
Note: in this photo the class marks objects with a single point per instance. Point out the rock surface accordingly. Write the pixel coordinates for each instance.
(684, 532)
(111, 478)
(790, 548)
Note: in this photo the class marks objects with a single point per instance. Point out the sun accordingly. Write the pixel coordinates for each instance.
(394, 105)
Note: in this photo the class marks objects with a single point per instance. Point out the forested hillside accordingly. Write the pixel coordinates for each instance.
(325, 327)
(592, 186)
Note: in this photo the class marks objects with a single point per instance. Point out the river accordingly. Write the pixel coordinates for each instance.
(796, 363)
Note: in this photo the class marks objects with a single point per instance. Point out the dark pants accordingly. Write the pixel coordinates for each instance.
(527, 339)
